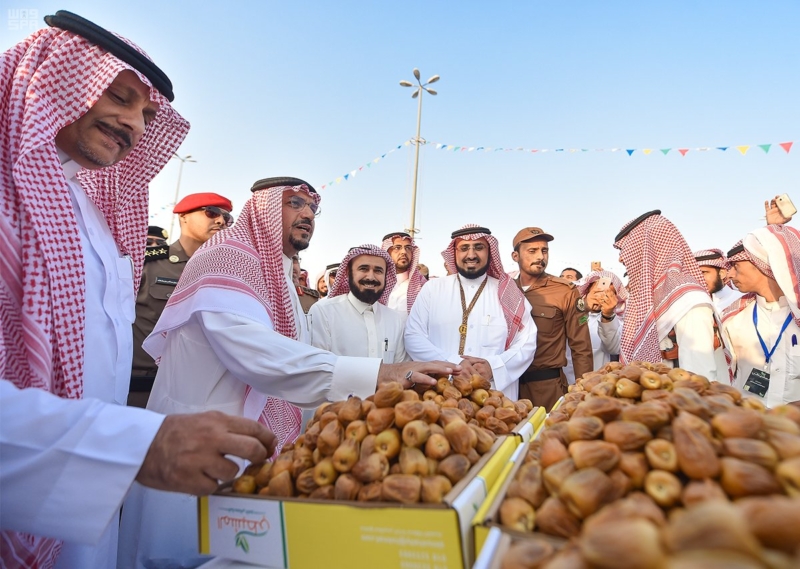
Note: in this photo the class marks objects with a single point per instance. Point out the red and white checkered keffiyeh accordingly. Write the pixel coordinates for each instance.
(664, 282)
(341, 284)
(50, 80)
(622, 293)
(719, 261)
(246, 259)
(511, 297)
(775, 251)
(416, 280)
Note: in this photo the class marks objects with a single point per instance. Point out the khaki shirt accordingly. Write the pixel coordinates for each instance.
(162, 269)
(307, 297)
(554, 303)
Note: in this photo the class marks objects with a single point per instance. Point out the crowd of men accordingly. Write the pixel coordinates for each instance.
(220, 335)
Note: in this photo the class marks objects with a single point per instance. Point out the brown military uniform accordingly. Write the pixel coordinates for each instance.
(162, 269)
(559, 314)
(307, 296)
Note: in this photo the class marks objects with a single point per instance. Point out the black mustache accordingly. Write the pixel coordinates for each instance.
(119, 133)
(304, 221)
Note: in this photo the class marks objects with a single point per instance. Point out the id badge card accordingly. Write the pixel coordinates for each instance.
(757, 382)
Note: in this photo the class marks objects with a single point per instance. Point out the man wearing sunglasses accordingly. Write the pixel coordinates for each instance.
(201, 216)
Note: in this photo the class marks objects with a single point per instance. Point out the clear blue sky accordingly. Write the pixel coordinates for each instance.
(310, 89)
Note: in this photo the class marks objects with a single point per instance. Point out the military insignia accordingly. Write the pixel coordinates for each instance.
(155, 253)
(166, 281)
(583, 319)
(580, 304)
(173, 259)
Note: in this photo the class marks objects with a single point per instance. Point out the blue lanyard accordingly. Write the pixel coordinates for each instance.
(768, 354)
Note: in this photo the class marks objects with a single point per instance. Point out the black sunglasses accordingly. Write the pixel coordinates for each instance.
(213, 212)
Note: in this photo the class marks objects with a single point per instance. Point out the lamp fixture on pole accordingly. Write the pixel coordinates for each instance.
(184, 160)
(417, 94)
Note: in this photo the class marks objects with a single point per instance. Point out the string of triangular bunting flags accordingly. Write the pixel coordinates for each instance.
(786, 146)
(742, 149)
(354, 173)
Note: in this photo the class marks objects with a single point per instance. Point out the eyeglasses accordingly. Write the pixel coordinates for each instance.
(298, 203)
(213, 212)
(406, 248)
(478, 247)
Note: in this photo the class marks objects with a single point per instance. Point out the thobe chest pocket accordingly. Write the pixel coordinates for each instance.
(126, 296)
(545, 318)
(493, 334)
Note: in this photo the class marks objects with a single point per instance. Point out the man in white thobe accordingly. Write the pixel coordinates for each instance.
(405, 254)
(476, 315)
(669, 317)
(762, 328)
(233, 337)
(356, 321)
(84, 132)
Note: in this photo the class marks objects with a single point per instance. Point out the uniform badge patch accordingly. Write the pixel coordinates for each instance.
(173, 259)
(166, 281)
(583, 319)
(580, 305)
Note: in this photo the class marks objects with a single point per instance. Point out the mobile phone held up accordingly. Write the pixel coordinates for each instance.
(785, 205)
(603, 284)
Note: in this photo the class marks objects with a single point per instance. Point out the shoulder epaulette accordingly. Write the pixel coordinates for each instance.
(155, 253)
(308, 291)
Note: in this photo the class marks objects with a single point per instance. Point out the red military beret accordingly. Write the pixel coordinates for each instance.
(194, 202)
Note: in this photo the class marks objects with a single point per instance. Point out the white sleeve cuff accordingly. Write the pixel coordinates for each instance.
(499, 372)
(354, 376)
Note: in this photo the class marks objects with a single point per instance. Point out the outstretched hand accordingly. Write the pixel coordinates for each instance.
(421, 373)
(188, 452)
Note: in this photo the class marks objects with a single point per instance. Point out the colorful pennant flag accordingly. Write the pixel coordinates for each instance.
(786, 146)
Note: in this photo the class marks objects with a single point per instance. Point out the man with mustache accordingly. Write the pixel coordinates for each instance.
(201, 216)
(475, 315)
(355, 320)
(560, 316)
(233, 337)
(86, 125)
(405, 254)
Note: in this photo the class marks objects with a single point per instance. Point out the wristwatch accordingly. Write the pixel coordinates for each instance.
(608, 318)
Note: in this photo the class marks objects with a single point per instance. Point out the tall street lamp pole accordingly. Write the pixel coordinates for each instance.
(183, 159)
(418, 141)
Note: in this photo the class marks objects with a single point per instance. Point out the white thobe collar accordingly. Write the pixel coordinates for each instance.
(403, 277)
(359, 305)
(287, 266)
(763, 304)
(68, 164)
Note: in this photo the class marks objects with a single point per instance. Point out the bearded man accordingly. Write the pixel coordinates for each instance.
(476, 315)
(233, 337)
(355, 320)
(715, 267)
(405, 254)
